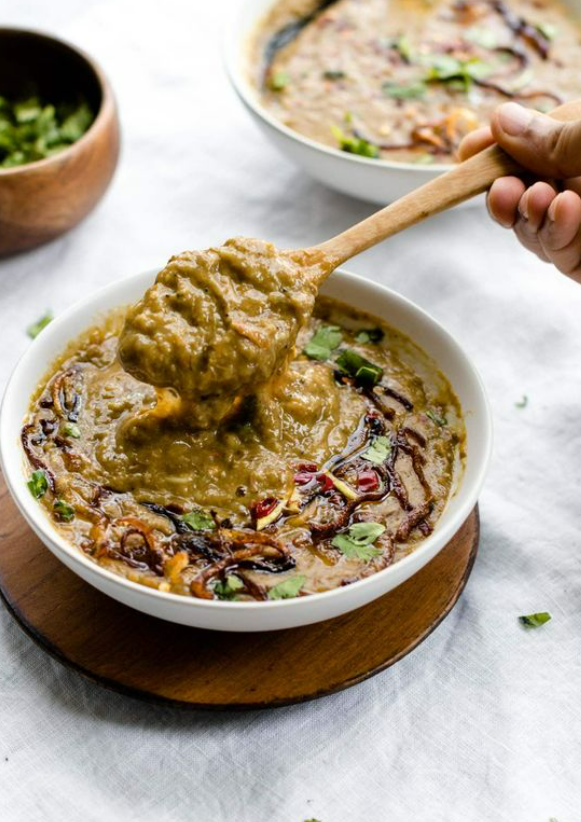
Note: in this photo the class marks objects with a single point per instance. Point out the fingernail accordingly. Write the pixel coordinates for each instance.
(552, 210)
(514, 119)
(523, 206)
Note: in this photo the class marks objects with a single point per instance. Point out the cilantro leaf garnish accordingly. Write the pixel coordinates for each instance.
(334, 75)
(357, 542)
(378, 451)
(367, 335)
(547, 30)
(323, 342)
(228, 588)
(411, 91)
(63, 510)
(403, 47)
(365, 372)
(38, 484)
(523, 402)
(278, 81)
(71, 429)
(444, 68)
(535, 620)
(287, 589)
(199, 520)
(355, 145)
(436, 418)
(34, 330)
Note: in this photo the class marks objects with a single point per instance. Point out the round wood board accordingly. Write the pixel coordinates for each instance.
(141, 656)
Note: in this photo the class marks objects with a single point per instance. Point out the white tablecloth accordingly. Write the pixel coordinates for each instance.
(480, 723)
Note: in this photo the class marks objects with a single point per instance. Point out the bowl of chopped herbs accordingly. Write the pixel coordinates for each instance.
(59, 137)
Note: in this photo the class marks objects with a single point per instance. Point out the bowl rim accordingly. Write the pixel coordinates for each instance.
(233, 44)
(37, 519)
(105, 108)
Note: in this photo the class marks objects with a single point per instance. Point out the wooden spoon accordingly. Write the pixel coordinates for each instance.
(462, 182)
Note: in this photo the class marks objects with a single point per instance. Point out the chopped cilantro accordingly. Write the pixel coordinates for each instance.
(38, 484)
(411, 91)
(535, 620)
(523, 402)
(367, 335)
(323, 342)
(403, 47)
(357, 542)
(63, 510)
(33, 129)
(228, 588)
(34, 330)
(364, 371)
(287, 589)
(378, 451)
(334, 75)
(71, 429)
(199, 520)
(437, 418)
(548, 30)
(484, 37)
(278, 81)
(459, 74)
(424, 159)
(355, 145)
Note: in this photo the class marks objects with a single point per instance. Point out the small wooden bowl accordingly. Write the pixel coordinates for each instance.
(41, 200)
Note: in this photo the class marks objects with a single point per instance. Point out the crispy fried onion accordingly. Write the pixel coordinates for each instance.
(245, 549)
(66, 394)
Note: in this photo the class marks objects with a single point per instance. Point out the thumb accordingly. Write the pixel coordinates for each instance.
(545, 146)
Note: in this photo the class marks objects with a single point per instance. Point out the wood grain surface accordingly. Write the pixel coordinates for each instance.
(41, 200)
(145, 657)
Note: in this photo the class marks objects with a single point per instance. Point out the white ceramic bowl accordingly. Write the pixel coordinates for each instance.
(249, 616)
(379, 181)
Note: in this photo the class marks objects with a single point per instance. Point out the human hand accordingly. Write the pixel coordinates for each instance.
(545, 214)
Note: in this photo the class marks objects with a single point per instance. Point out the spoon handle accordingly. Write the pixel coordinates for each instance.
(463, 181)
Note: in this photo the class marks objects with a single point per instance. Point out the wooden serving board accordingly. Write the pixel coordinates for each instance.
(145, 657)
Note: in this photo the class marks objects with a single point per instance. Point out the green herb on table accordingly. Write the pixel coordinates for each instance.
(357, 542)
(278, 81)
(378, 451)
(38, 484)
(535, 620)
(355, 145)
(323, 342)
(71, 429)
(34, 330)
(228, 588)
(523, 402)
(199, 520)
(369, 335)
(287, 589)
(334, 75)
(63, 510)
(411, 91)
(436, 418)
(34, 129)
(363, 371)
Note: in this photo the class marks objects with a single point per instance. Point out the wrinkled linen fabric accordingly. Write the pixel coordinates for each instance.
(483, 721)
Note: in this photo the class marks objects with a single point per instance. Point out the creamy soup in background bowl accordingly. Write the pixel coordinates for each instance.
(271, 614)
(375, 106)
